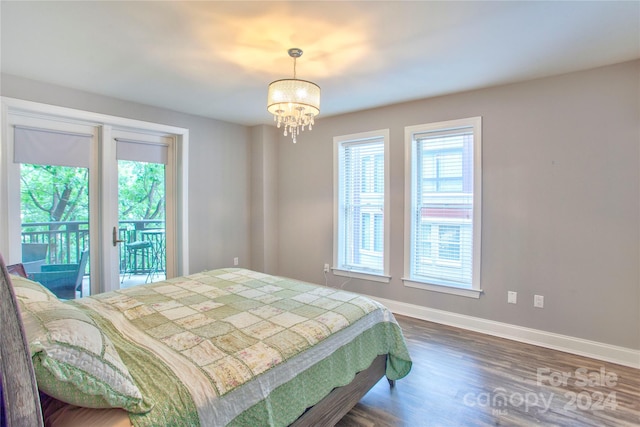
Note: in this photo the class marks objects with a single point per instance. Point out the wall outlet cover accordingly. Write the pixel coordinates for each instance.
(538, 301)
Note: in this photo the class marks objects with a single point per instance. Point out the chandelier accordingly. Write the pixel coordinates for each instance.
(294, 103)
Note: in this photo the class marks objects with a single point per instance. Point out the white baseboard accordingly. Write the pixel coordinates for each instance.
(593, 349)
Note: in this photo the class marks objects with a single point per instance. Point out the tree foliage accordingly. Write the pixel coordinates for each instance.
(141, 194)
(60, 193)
(54, 193)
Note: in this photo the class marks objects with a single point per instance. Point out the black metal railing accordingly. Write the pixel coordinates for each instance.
(67, 239)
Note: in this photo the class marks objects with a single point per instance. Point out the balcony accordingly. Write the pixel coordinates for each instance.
(65, 242)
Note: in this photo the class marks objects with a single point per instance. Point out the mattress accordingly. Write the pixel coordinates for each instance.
(239, 347)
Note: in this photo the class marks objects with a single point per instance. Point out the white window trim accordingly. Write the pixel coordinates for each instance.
(359, 275)
(104, 124)
(337, 141)
(445, 289)
(476, 123)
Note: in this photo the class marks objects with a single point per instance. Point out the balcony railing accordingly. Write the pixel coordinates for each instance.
(66, 241)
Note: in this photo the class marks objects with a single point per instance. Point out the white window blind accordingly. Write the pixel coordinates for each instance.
(442, 245)
(51, 147)
(141, 151)
(361, 203)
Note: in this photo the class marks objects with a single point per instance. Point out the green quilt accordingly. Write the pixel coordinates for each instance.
(238, 347)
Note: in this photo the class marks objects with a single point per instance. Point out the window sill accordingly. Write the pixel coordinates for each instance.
(463, 292)
(359, 275)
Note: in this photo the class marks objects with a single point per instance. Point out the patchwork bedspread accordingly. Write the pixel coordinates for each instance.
(238, 347)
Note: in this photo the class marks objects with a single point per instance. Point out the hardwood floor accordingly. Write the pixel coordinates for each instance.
(463, 378)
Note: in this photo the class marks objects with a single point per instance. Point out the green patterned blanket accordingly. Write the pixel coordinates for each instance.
(237, 347)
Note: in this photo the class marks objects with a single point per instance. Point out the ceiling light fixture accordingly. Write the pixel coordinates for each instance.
(294, 103)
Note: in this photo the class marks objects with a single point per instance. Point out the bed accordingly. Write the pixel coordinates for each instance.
(223, 347)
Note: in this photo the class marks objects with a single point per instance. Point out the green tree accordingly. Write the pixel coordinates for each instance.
(54, 193)
(141, 190)
(60, 193)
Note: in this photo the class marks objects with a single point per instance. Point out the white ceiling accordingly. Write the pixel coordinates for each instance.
(216, 59)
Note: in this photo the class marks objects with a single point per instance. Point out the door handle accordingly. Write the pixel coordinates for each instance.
(115, 237)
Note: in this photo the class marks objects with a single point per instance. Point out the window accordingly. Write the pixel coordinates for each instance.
(443, 206)
(361, 198)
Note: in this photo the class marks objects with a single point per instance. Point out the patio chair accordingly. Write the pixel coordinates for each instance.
(64, 280)
(137, 251)
(34, 255)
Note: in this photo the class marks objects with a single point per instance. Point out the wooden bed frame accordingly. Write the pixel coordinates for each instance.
(340, 400)
(21, 400)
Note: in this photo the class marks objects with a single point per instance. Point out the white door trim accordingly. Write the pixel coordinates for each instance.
(10, 236)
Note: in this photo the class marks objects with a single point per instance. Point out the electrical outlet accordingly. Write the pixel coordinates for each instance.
(236, 261)
(326, 268)
(538, 301)
(512, 297)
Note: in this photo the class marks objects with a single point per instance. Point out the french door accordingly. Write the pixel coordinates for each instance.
(110, 189)
(142, 195)
(53, 162)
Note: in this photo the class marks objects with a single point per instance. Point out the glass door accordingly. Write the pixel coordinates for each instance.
(100, 195)
(142, 198)
(54, 178)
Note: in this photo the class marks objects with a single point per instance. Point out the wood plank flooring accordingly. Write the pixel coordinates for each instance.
(463, 378)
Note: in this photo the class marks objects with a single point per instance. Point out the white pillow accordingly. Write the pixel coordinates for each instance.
(74, 361)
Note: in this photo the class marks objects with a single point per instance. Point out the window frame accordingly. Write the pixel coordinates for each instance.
(475, 123)
(16, 111)
(339, 268)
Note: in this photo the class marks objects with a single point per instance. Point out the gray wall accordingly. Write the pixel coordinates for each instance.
(218, 176)
(561, 200)
(561, 196)
(264, 199)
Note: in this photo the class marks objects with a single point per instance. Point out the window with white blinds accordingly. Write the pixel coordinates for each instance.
(361, 222)
(443, 203)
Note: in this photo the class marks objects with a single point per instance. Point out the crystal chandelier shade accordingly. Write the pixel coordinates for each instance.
(294, 103)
